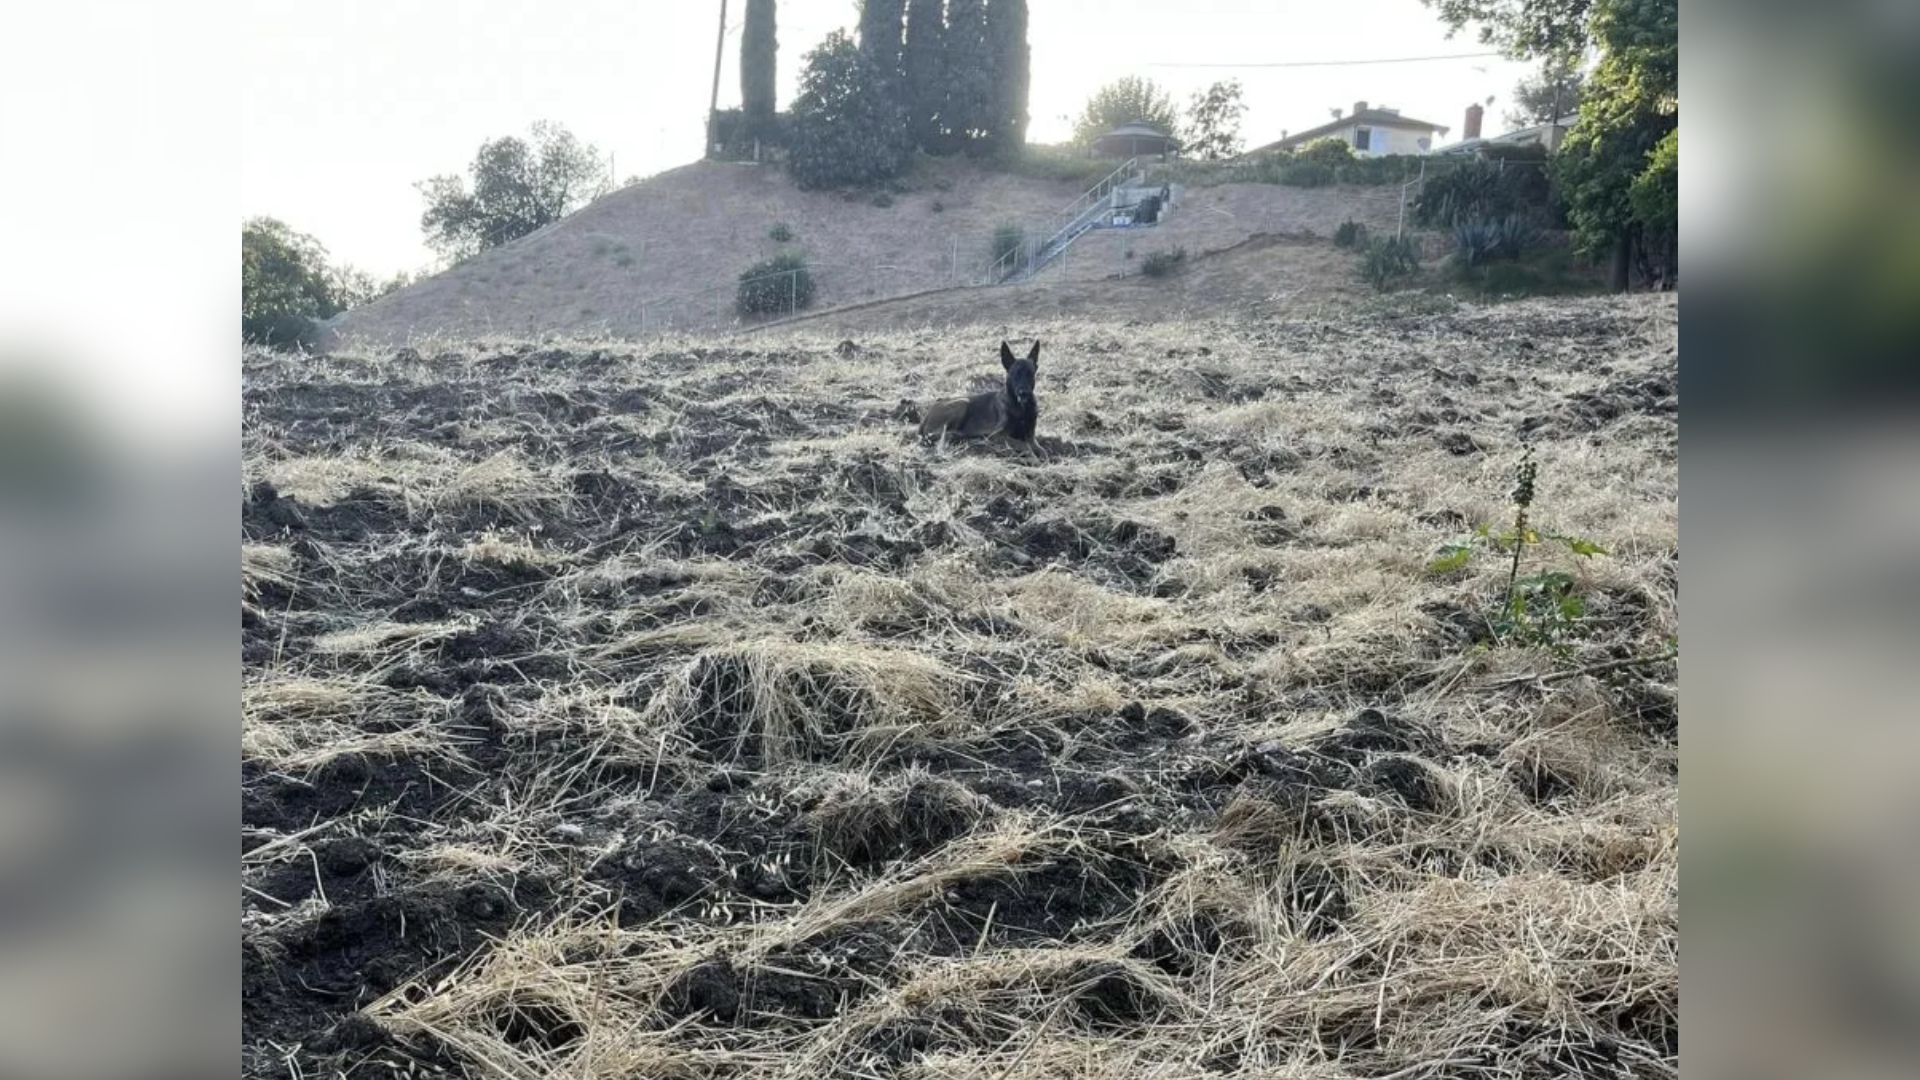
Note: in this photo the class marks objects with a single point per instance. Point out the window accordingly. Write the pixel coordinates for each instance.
(1362, 138)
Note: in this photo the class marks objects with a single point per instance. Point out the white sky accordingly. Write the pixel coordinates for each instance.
(346, 104)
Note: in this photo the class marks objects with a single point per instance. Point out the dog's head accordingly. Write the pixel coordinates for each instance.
(1020, 371)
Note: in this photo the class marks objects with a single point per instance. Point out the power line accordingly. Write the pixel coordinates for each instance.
(1330, 63)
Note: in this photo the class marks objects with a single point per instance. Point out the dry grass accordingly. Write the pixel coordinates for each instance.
(708, 726)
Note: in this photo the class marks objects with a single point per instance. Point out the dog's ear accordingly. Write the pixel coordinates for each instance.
(1006, 356)
(1033, 354)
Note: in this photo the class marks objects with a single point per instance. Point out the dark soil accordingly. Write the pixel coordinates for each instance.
(346, 895)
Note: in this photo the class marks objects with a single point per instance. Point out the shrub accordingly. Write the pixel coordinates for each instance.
(1388, 261)
(281, 330)
(1478, 242)
(1483, 191)
(1383, 169)
(1308, 174)
(1159, 264)
(938, 206)
(1328, 151)
(780, 233)
(1350, 234)
(782, 285)
(1042, 162)
(881, 199)
(1007, 239)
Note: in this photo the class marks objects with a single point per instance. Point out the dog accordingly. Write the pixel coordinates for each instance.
(1012, 410)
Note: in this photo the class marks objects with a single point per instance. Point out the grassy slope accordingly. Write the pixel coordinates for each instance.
(731, 733)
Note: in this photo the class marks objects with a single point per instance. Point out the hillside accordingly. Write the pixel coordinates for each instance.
(665, 253)
(670, 711)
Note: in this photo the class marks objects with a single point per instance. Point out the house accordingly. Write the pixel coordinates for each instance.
(1547, 135)
(1370, 131)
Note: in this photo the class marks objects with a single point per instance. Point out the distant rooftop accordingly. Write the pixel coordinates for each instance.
(1368, 117)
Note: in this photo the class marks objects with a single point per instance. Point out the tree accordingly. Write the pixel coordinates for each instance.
(882, 29)
(759, 45)
(1123, 102)
(967, 119)
(1523, 29)
(1012, 67)
(1543, 98)
(923, 65)
(1213, 121)
(285, 284)
(1654, 196)
(517, 187)
(847, 125)
(1631, 106)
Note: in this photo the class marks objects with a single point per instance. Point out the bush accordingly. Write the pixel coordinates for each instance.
(881, 199)
(780, 233)
(1478, 242)
(1064, 163)
(1007, 239)
(1327, 151)
(1350, 234)
(1483, 191)
(937, 206)
(281, 330)
(1308, 174)
(1159, 264)
(780, 285)
(1389, 261)
(1384, 169)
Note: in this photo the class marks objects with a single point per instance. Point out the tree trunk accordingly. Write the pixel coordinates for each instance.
(1622, 262)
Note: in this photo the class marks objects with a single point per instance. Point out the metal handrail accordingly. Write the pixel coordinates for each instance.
(1059, 224)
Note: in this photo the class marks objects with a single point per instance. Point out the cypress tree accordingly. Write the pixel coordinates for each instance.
(924, 64)
(882, 28)
(968, 119)
(758, 46)
(1012, 67)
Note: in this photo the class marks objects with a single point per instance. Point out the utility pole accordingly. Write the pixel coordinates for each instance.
(713, 103)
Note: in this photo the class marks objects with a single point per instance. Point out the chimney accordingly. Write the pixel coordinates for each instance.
(1471, 130)
(1359, 107)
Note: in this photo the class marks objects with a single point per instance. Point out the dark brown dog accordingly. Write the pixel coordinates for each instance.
(1011, 410)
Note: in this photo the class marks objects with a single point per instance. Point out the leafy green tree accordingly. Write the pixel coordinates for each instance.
(1655, 198)
(1541, 98)
(759, 47)
(968, 116)
(1631, 105)
(1213, 121)
(286, 285)
(846, 126)
(517, 186)
(1124, 101)
(1547, 29)
(924, 68)
(882, 31)
(1013, 71)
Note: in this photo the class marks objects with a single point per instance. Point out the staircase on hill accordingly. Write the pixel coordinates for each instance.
(1095, 208)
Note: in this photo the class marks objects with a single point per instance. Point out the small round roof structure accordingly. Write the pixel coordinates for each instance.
(1138, 139)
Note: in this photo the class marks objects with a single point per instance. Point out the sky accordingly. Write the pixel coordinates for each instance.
(347, 104)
